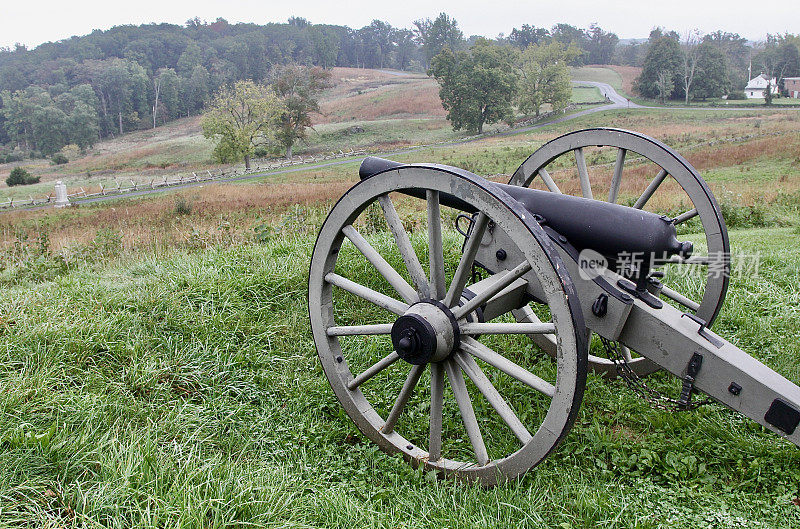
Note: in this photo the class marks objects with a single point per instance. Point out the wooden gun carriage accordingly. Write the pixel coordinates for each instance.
(539, 271)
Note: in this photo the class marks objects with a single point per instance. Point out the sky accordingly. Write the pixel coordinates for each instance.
(34, 22)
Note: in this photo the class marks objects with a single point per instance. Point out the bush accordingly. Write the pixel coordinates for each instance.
(59, 159)
(736, 95)
(20, 177)
(182, 206)
(10, 157)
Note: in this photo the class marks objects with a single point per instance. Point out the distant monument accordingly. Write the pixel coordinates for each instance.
(61, 195)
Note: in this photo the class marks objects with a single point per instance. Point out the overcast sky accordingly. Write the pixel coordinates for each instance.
(32, 22)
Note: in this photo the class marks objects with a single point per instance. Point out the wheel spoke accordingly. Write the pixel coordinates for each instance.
(616, 180)
(680, 298)
(467, 413)
(507, 328)
(437, 403)
(360, 330)
(548, 180)
(467, 259)
(435, 248)
(651, 188)
(373, 370)
(583, 173)
(402, 398)
(547, 342)
(406, 291)
(474, 372)
(410, 258)
(683, 217)
(478, 350)
(626, 353)
(376, 298)
(508, 278)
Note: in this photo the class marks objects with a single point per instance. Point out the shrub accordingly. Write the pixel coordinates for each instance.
(736, 95)
(59, 159)
(71, 151)
(20, 177)
(10, 157)
(182, 206)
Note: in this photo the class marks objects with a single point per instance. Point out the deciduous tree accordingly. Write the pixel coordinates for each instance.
(663, 57)
(240, 118)
(298, 87)
(665, 85)
(435, 35)
(711, 78)
(544, 77)
(476, 86)
(690, 48)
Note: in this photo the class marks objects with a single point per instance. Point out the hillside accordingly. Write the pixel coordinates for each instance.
(364, 109)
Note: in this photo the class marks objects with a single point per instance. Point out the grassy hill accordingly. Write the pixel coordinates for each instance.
(364, 109)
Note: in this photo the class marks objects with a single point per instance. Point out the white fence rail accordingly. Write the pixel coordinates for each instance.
(133, 186)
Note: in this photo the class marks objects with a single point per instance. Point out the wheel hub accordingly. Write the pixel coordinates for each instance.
(427, 332)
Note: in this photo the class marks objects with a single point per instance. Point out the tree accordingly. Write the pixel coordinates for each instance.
(20, 177)
(712, 72)
(166, 89)
(435, 35)
(476, 87)
(737, 54)
(600, 45)
(665, 84)
(544, 77)
(240, 118)
(194, 90)
(663, 57)
(788, 56)
(80, 105)
(691, 52)
(527, 35)
(568, 35)
(298, 87)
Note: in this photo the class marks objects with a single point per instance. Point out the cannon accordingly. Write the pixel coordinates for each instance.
(501, 307)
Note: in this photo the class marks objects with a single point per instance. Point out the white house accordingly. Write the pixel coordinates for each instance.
(756, 86)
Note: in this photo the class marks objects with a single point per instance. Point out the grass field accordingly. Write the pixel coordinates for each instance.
(183, 390)
(587, 94)
(599, 74)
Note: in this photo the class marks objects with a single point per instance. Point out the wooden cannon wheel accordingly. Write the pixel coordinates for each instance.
(391, 322)
(568, 152)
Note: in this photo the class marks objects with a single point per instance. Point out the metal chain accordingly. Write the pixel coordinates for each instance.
(652, 396)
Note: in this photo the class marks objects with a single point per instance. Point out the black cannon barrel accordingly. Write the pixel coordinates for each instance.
(609, 229)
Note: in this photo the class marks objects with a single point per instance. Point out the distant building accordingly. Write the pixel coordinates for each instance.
(757, 85)
(792, 86)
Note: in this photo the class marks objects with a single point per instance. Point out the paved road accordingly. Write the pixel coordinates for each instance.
(608, 91)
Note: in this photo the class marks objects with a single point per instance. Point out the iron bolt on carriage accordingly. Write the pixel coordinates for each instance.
(522, 284)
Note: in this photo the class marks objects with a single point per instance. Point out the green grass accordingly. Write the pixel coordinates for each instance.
(183, 389)
(587, 94)
(598, 74)
(360, 134)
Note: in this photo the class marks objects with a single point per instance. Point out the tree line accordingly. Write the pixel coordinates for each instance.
(695, 66)
(81, 89)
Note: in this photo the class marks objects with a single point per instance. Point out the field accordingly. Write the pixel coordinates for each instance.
(377, 110)
(157, 368)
